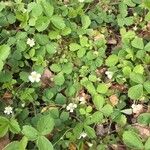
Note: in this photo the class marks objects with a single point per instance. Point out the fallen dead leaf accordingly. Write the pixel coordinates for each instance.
(144, 131)
(47, 78)
(4, 141)
(114, 100)
(72, 146)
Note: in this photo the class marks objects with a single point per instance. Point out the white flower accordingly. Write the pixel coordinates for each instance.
(82, 135)
(135, 28)
(34, 77)
(90, 144)
(109, 74)
(23, 104)
(137, 108)
(81, 1)
(82, 100)
(71, 107)
(8, 110)
(30, 42)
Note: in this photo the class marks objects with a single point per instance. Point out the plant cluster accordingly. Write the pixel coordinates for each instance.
(75, 74)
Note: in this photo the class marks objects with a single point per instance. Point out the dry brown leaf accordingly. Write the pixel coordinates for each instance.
(114, 100)
(144, 131)
(72, 146)
(4, 141)
(7, 95)
(46, 78)
(112, 41)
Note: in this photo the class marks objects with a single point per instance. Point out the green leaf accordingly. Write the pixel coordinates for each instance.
(42, 23)
(147, 86)
(138, 69)
(147, 144)
(36, 9)
(74, 47)
(45, 124)
(136, 77)
(4, 124)
(44, 144)
(48, 9)
(15, 145)
(137, 43)
(147, 3)
(67, 68)
(147, 47)
(4, 52)
(144, 118)
(55, 67)
(102, 88)
(58, 22)
(132, 140)
(112, 60)
(90, 131)
(98, 101)
(14, 126)
(135, 92)
(107, 110)
(123, 9)
(85, 20)
(1, 65)
(59, 79)
(30, 132)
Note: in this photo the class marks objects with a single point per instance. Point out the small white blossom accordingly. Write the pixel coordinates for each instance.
(135, 28)
(109, 74)
(137, 108)
(8, 110)
(89, 144)
(82, 135)
(82, 100)
(34, 77)
(23, 104)
(30, 42)
(81, 1)
(71, 107)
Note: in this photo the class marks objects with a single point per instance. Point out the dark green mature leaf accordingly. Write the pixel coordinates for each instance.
(44, 144)
(45, 124)
(135, 92)
(58, 22)
(132, 140)
(59, 79)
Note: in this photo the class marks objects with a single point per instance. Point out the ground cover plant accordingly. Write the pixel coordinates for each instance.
(74, 74)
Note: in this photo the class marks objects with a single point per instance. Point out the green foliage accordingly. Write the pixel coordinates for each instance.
(72, 69)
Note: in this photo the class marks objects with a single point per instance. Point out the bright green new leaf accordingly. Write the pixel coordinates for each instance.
(90, 131)
(43, 143)
(147, 86)
(14, 126)
(45, 124)
(42, 23)
(4, 52)
(135, 92)
(112, 60)
(74, 47)
(98, 101)
(144, 118)
(58, 22)
(102, 88)
(137, 43)
(30, 132)
(59, 79)
(85, 20)
(132, 140)
(147, 144)
(48, 9)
